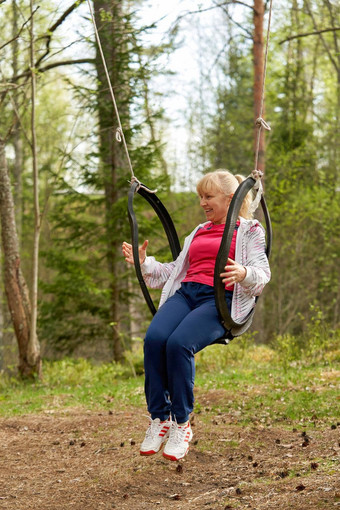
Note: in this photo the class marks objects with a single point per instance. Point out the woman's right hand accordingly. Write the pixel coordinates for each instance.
(128, 254)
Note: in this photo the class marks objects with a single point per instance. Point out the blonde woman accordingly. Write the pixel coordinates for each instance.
(187, 319)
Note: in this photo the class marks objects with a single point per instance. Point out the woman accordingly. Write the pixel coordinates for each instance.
(187, 319)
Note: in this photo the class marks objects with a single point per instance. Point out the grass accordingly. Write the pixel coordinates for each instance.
(258, 383)
(254, 382)
(71, 383)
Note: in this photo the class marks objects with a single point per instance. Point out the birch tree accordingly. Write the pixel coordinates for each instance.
(34, 347)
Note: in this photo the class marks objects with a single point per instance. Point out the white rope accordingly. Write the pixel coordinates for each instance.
(119, 131)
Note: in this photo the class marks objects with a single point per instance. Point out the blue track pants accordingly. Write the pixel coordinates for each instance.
(184, 325)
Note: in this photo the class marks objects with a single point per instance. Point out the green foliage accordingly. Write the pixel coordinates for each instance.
(85, 289)
(316, 343)
(74, 305)
(230, 139)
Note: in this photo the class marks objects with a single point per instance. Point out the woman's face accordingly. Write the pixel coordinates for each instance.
(215, 205)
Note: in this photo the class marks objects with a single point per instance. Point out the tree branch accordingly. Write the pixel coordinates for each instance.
(56, 64)
(199, 11)
(21, 29)
(48, 37)
(321, 36)
(330, 9)
(316, 32)
(64, 15)
(249, 34)
(53, 28)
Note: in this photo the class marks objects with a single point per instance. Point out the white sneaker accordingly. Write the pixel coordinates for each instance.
(155, 436)
(178, 444)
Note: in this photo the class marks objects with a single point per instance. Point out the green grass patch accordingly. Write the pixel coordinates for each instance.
(256, 384)
(71, 383)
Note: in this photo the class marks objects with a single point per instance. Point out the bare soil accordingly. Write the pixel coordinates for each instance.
(77, 459)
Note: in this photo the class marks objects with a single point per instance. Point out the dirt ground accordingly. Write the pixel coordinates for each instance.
(76, 459)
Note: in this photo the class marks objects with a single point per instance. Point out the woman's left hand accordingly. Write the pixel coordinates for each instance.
(235, 273)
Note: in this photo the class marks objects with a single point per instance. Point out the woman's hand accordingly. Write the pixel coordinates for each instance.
(128, 254)
(235, 273)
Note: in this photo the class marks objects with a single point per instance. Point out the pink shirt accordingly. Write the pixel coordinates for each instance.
(203, 252)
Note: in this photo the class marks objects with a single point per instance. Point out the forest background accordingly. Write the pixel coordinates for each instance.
(183, 77)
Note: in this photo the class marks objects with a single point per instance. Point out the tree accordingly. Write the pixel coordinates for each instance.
(88, 292)
(15, 284)
(24, 316)
(34, 347)
(113, 30)
(258, 55)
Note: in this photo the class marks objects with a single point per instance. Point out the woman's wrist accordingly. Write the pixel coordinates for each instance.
(245, 273)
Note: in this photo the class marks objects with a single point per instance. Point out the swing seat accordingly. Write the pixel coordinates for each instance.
(232, 328)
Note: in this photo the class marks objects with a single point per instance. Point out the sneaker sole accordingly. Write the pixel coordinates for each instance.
(148, 453)
(173, 458)
(151, 452)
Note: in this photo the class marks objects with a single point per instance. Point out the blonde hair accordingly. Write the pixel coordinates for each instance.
(227, 183)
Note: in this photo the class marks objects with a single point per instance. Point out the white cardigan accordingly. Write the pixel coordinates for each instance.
(249, 252)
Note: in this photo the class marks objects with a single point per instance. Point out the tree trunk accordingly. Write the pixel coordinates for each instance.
(258, 323)
(17, 141)
(113, 36)
(37, 218)
(258, 75)
(15, 285)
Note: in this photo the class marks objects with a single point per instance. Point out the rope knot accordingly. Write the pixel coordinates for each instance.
(260, 122)
(257, 174)
(118, 134)
(140, 185)
(134, 179)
